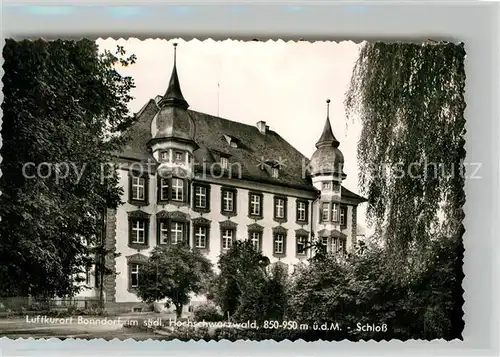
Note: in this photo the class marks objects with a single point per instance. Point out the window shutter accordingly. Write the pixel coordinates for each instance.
(169, 195)
(158, 189)
(168, 224)
(146, 188)
(129, 275)
(250, 203)
(185, 197)
(146, 232)
(130, 187)
(187, 233)
(130, 222)
(222, 204)
(158, 232)
(284, 243)
(208, 196)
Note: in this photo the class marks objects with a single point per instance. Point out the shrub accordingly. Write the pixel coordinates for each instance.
(207, 312)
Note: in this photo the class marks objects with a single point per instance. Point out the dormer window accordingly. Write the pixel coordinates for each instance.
(275, 172)
(233, 142)
(224, 162)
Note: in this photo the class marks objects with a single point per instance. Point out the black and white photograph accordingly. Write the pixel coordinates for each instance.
(232, 190)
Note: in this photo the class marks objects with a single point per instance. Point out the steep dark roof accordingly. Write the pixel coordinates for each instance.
(327, 138)
(211, 135)
(173, 95)
(349, 194)
(252, 148)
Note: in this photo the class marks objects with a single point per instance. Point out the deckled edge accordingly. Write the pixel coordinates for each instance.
(415, 40)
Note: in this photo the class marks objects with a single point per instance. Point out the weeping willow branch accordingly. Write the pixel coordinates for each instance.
(409, 99)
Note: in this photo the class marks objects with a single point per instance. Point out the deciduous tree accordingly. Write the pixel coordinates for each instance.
(173, 272)
(64, 109)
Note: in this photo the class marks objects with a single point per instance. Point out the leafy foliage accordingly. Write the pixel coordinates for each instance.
(358, 290)
(207, 312)
(238, 265)
(65, 107)
(173, 272)
(409, 99)
(248, 288)
(264, 296)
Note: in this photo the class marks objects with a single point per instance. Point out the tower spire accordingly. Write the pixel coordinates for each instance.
(173, 95)
(327, 138)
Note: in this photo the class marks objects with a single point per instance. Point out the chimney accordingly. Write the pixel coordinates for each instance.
(263, 128)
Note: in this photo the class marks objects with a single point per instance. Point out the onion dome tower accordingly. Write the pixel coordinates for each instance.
(327, 160)
(327, 174)
(173, 130)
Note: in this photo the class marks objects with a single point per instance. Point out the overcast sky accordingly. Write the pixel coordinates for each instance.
(286, 84)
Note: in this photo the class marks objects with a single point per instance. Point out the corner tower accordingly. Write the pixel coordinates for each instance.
(326, 172)
(172, 145)
(172, 132)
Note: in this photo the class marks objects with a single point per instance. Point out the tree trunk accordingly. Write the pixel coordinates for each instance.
(178, 310)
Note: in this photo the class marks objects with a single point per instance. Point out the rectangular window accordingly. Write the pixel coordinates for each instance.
(228, 201)
(325, 212)
(163, 233)
(227, 238)
(179, 156)
(255, 205)
(164, 189)
(224, 162)
(275, 172)
(200, 237)
(335, 212)
(134, 275)
(200, 197)
(255, 239)
(176, 232)
(165, 156)
(301, 244)
(138, 188)
(301, 211)
(343, 215)
(336, 187)
(279, 242)
(280, 208)
(177, 189)
(342, 246)
(138, 232)
(327, 186)
(324, 241)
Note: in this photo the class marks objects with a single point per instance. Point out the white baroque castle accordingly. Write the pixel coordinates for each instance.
(208, 181)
